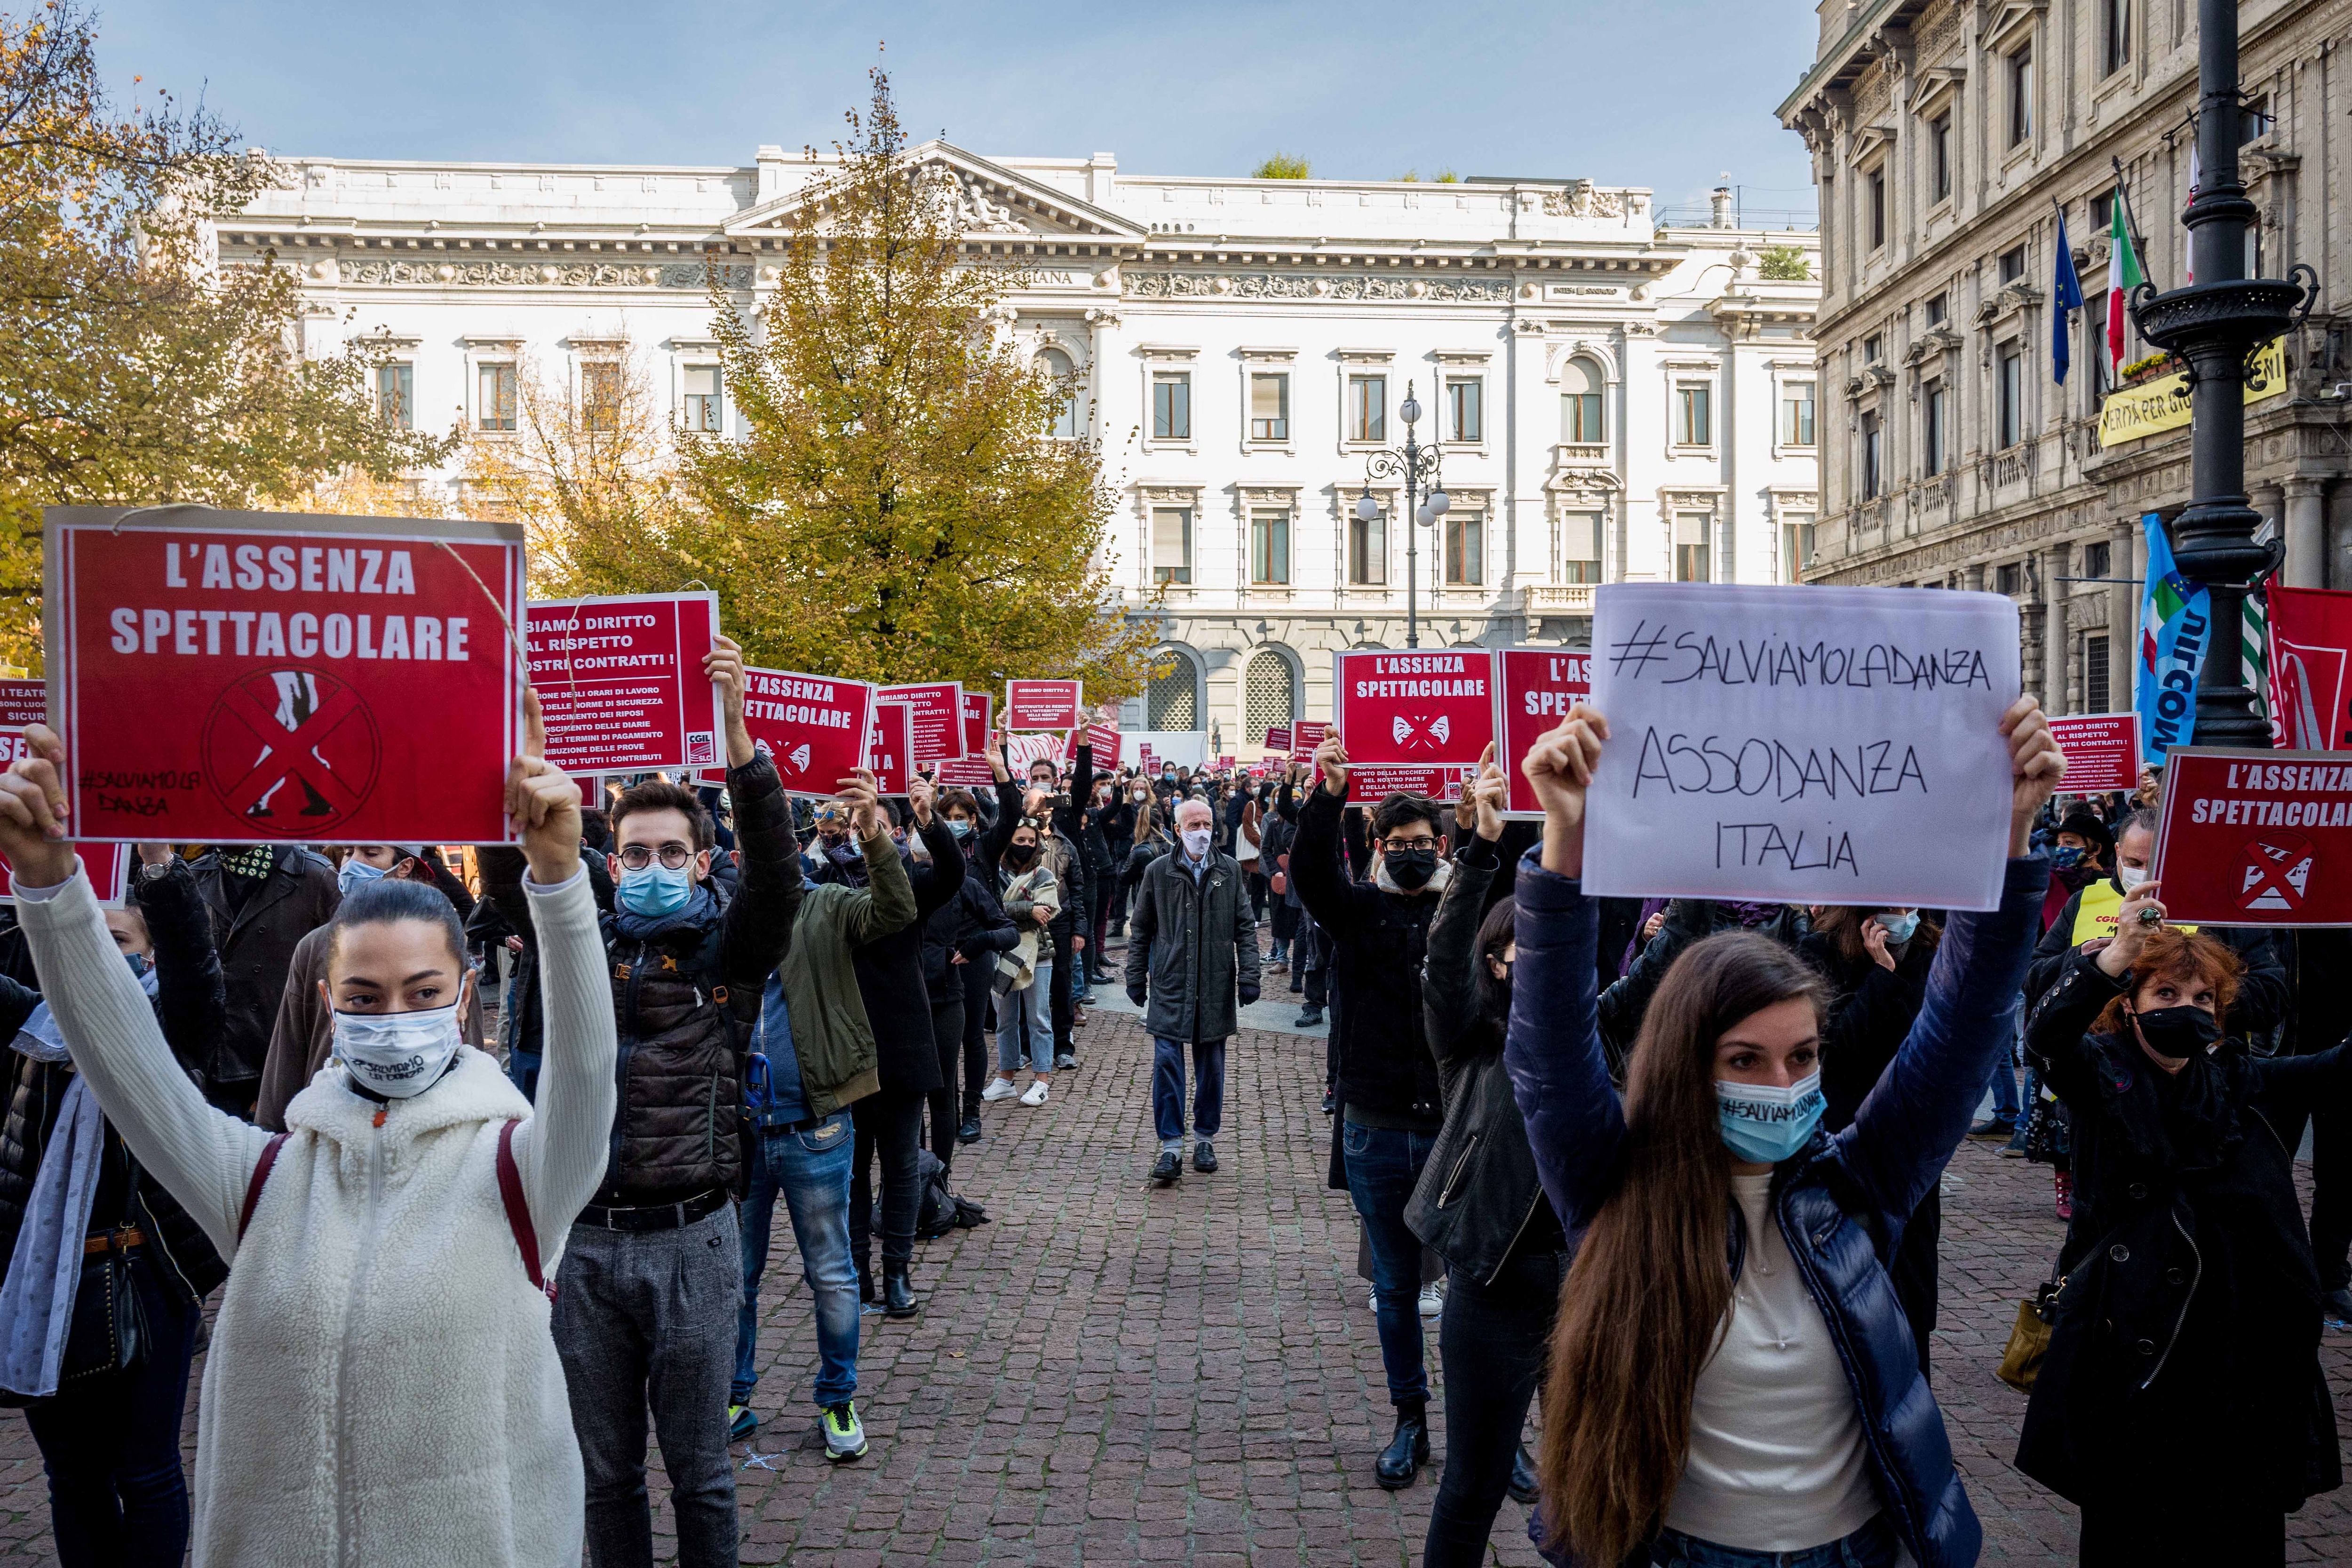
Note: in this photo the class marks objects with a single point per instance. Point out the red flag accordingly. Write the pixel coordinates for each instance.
(2310, 678)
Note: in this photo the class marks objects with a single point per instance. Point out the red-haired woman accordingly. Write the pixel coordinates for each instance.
(2189, 1319)
(1733, 1381)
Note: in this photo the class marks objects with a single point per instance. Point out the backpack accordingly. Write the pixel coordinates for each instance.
(941, 1210)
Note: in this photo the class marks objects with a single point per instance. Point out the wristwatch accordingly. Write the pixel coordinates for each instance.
(149, 873)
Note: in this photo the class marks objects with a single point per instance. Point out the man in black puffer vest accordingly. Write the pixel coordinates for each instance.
(653, 1267)
(1391, 1104)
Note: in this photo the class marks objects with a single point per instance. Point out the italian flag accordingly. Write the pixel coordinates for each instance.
(2123, 276)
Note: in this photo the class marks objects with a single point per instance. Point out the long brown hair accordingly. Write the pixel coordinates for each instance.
(1643, 1308)
(1842, 923)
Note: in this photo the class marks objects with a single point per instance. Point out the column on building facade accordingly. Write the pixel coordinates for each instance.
(2306, 525)
(2140, 579)
(2123, 618)
(2054, 636)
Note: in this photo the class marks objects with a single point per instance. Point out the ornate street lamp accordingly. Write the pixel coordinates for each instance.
(2216, 325)
(1417, 465)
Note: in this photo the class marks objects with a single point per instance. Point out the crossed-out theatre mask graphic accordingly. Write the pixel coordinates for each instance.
(1417, 733)
(291, 751)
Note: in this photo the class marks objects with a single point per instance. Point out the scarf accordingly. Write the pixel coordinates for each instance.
(1435, 886)
(1017, 970)
(700, 911)
(38, 1297)
(253, 862)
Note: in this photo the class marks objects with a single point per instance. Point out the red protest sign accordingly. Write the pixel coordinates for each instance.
(1277, 738)
(1413, 719)
(979, 719)
(620, 681)
(108, 866)
(2310, 632)
(1306, 735)
(2255, 837)
(23, 702)
(889, 748)
(233, 677)
(965, 772)
(815, 726)
(935, 711)
(2101, 751)
(1103, 738)
(1044, 704)
(1535, 687)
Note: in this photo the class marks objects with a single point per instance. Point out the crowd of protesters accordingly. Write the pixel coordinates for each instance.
(1678, 1160)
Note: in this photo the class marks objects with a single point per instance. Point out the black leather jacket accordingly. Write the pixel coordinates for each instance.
(1479, 1201)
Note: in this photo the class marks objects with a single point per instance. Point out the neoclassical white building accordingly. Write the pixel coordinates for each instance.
(1614, 397)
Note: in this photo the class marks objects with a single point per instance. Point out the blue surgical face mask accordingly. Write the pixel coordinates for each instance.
(1900, 928)
(354, 872)
(960, 826)
(655, 891)
(144, 967)
(2068, 856)
(1765, 1124)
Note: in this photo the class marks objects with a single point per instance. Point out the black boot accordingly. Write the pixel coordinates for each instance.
(1407, 1451)
(898, 1291)
(866, 1281)
(1523, 1485)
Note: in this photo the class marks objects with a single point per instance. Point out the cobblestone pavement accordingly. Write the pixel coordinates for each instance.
(1108, 1373)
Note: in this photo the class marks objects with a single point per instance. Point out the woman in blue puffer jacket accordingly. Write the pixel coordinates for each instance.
(1733, 1381)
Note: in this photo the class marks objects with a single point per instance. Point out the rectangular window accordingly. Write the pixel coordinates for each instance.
(1464, 409)
(1938, 306)
(1579, 417)
(1368, 403)
(1872, 347)
(1796, 545)
(1466, 547)
(395, 394)
(1171, 544)
(1172, 405)
(1368, 549)
(2254, 122)
(1692, 424)
(1270, 406)
(2010, 396)
(1939, 155)
(1690, 546)
(2103, 212)
(2114, 44)
(1932, 419)
(1270, 547)
(1797, 413)
(1872, 452)
(1875, 187)
(702, 397)
(2094, 559)
(2009, 577)
(600, 396)
(1580, 547)
(2021, 96)
(2095, 675)
(494, 397)
(2012, 264)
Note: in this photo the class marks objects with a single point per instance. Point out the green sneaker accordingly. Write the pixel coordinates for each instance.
(740, 1423)
(844, 1438)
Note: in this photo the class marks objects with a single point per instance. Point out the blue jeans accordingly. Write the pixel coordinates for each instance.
(1026, 1013)
(1383, 1166)
(812, 1170)
(2004, 1074)
(1168, 1089)
(111, 1444)
(1874, 1545)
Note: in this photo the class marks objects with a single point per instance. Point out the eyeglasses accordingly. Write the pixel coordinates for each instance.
(674, 857)
(1399, 845)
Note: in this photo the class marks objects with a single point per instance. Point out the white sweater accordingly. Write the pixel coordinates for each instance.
(382, 1388)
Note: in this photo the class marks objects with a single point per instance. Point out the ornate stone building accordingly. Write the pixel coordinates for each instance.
(1614, 396)
(1947, 136)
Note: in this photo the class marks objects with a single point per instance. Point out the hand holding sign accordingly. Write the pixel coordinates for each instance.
(33, 812)
(2142, 913)
(2035, 766)
(918, 799)
(1559, 767)
(1331, 756)
(1481, 805)
(723, 667)
(858, 798)
(543, 804)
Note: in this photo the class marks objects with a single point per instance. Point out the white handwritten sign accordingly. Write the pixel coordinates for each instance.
(1802, 745)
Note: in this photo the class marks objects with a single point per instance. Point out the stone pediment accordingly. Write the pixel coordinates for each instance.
(994, 200)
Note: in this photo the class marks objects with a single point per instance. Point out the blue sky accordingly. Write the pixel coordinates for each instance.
(1670, 94)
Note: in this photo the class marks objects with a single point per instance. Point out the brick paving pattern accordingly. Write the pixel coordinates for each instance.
(1108, 1373)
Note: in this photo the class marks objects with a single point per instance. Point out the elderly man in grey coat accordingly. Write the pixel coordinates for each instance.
(1191, 950)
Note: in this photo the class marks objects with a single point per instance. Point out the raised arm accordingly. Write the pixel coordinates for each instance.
(1449, 986)
(759, 921)
(1314, 852)
(886, 902)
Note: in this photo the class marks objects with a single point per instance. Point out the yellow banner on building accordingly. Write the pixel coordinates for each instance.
(2155, 405)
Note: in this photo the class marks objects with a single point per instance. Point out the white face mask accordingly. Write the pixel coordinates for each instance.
(1196, 842)
(2130, 876)
(397, 1054)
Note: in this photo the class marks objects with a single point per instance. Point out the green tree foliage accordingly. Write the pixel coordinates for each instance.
(1783, 264)
(1283, 166)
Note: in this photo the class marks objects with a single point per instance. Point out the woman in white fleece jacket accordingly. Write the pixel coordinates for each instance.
(382, 1388)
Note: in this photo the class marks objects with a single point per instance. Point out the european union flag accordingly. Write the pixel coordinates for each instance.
(2065, 296)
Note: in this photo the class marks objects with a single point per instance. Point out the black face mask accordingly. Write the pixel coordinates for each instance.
(2178, 1033)
(1410, 868)
(1019, 853)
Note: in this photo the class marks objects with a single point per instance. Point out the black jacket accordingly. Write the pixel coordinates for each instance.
(1191, 948)
(973, 924)
(1479, 1201)
(1378, 942)
(1872, 1009)
(256, 941)
(2263, 1000)
(891, 978)
(188, 1007)
(2189, 1319)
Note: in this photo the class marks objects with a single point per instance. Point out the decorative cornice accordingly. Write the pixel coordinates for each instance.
(541, 275)
(1141, 285)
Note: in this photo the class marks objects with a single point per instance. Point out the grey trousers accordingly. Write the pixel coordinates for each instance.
(648, 1318)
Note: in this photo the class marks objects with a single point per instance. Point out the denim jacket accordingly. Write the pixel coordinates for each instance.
(1841, 1202)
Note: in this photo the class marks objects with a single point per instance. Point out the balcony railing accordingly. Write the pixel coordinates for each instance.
(1559, 598)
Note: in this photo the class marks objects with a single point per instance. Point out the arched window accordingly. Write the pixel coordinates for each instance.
(1056, 364)
(1580, 387)
(1173, 701)
(1269, 696)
